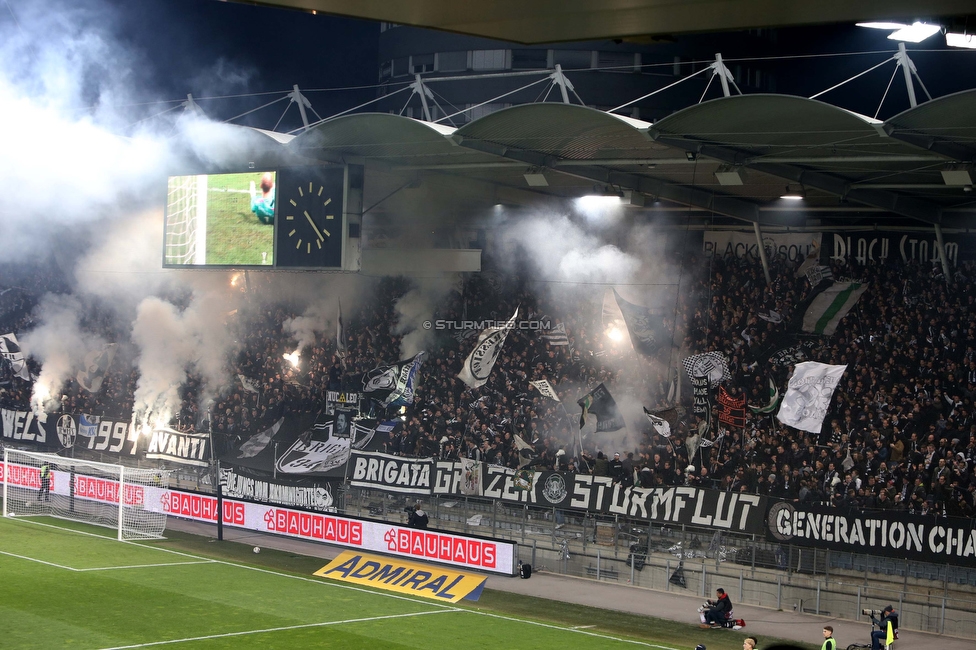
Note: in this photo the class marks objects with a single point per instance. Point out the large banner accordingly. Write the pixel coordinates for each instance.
(742, 244)
(881, 247)
(283, 491)
(946, 540)
(675, 504)
(310, 445)
(25, 428)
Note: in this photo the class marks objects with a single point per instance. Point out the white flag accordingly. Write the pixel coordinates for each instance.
(479, 363)
(544, 387)
(808, 396)
(10, 350)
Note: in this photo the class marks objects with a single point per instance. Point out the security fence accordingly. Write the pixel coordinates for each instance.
(930, 597)
(683, 559)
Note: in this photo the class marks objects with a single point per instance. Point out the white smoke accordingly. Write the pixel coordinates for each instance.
(416, 312)
(61, 343)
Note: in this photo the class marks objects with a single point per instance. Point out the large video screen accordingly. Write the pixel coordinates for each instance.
(220, 220)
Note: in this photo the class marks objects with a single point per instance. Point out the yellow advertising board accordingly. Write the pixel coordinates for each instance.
(394, 574)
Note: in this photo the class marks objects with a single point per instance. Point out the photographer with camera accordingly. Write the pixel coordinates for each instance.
(887, 622)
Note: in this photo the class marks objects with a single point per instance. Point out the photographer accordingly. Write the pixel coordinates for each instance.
(718, 611)
(889, 617)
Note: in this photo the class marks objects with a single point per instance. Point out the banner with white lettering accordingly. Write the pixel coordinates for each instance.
(391, 473)
(178, 447)
(563, 490)
(872, 247)
(793, 246)
(26, 428)
(300, 493)
(945, 540)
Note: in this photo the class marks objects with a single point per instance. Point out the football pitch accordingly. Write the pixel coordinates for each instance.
(67, 585)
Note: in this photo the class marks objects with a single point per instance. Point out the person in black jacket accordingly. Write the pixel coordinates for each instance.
(417, 518)
(718, 611)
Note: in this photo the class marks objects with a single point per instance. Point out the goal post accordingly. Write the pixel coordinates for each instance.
(126, 499)
(186, 221)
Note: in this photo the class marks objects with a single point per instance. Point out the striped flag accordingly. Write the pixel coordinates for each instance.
(829, 308)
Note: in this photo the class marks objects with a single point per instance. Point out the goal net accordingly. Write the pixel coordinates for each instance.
(86, 491)
(186, 220)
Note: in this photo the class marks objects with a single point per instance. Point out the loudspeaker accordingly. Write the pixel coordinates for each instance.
(525, 571)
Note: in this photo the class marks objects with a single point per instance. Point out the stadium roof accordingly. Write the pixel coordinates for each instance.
(550, 21)
(909, 170)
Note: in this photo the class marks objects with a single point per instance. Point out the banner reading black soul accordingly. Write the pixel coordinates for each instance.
(893, 534)
(675, 505)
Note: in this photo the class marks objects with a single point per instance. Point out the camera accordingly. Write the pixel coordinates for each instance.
(408, 509)
(876, 613)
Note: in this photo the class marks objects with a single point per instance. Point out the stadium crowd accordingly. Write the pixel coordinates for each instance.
(900, 434)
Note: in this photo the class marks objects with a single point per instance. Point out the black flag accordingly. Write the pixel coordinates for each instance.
(645, 335)
(600, 403)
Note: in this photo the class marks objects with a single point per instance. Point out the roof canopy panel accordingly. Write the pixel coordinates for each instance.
(779, 125)
(946, 125)
(564, 131)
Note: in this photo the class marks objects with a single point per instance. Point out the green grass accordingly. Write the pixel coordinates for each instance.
(65, 585)
(234, 235)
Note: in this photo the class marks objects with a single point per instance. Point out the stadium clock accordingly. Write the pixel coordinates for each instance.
(310, 226)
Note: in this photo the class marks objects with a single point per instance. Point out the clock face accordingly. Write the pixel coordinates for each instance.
(310, 218)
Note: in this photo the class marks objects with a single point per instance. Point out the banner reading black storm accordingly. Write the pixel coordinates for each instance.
(675, 505)
(949, 540)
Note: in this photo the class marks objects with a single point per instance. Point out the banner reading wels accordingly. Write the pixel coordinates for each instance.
(403, 577)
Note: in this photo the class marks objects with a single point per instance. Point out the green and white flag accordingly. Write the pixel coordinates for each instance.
(829, 308)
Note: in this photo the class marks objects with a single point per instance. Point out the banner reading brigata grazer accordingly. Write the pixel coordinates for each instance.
(947, 540)
(490, 555)
(563, 490)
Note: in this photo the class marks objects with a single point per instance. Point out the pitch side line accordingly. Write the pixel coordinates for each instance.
(574, 630)
(145, 566)
(350, 587)
(282, 629)
(32, 559)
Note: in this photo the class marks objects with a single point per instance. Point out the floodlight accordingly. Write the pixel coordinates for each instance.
(914, 33)
(960, 40)
(792, 194)
(535, 178)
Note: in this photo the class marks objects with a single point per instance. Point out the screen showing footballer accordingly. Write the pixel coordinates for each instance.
(220, 220)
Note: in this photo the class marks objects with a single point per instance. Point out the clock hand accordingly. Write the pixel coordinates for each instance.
(314, 227)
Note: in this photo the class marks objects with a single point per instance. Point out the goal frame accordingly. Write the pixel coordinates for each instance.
(108, 468)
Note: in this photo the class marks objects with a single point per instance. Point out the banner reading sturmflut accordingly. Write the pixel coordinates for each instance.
(808, 397)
